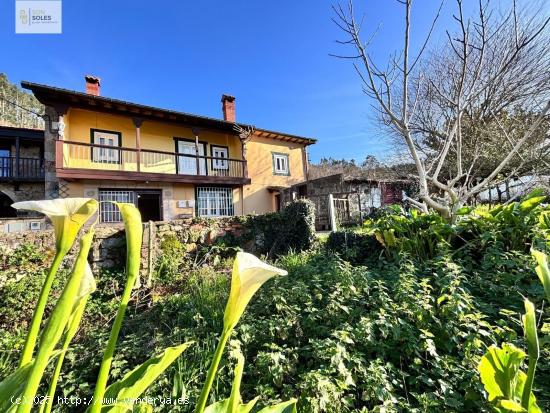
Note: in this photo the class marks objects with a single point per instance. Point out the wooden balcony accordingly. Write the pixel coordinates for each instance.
(80, 160)
(17, 169)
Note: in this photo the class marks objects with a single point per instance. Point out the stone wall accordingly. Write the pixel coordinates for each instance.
(15, 225)
(23, 191)
(109, 245)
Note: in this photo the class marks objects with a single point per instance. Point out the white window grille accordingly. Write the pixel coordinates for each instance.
(220, 152)
(280, 164)
(214, 201)
(109, 212)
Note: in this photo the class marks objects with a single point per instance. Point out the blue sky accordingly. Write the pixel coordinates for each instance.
(272, 55)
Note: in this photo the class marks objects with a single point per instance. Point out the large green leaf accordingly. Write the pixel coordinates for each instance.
(142, 408)
(133, 384)
(530, 330)
(233, 404)
(285, 407)
(12, 386)
(223, 407)
(529, 204)
(503, 380)
(499, 368)
(542, 271)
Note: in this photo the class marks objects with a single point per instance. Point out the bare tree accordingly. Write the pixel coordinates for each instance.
(437, 101)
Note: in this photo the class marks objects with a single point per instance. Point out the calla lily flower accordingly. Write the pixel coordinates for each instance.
(249, 274)
(67, 216)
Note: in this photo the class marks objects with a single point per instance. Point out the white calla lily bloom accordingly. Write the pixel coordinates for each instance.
(249, 274)
(67, 216)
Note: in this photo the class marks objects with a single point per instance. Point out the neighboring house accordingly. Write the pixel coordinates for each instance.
(356, 196)
(170, 164)
(21, 167)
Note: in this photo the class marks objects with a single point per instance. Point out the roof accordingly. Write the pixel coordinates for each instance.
(56, 96)
(13, 132)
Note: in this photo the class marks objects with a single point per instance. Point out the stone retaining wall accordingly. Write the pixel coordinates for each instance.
(109, 245)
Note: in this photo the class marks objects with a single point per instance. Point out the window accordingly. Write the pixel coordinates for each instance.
(5, 163)
(187, 162)
(109, 212)
(214, 201)
(220, 152)
(280, 164)
(106, 138)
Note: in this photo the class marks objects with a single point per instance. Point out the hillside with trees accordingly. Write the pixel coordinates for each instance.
(17, 107)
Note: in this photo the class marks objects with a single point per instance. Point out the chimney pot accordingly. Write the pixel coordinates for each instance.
(228, 108)
(93, 85)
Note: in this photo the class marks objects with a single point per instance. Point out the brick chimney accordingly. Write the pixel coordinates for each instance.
(228, 108)
(93, 85)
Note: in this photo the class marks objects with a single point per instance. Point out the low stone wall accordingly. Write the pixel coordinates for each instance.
(270, 234)
(109, 245)
(16, 225)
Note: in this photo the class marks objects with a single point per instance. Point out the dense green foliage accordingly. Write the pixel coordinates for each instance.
(277, 233)
(357, 325)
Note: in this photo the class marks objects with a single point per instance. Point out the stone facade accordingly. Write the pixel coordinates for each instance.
(23, 191)
(51, 184)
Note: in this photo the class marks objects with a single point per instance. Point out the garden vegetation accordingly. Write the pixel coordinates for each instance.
(405, 314)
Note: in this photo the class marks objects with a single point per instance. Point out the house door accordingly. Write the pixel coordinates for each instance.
(187, 165)
(149, 204)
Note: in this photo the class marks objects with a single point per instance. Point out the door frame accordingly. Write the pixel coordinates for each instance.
(152, 192)
(204, 145)
(136, 192)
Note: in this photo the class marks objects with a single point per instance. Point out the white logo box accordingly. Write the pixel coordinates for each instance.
(38, 16)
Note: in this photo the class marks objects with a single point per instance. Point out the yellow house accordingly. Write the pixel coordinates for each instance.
(170, 164)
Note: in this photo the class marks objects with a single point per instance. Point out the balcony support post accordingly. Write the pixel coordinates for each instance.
(17, 153)
(243, 156)
(137, 124)
(196, 133)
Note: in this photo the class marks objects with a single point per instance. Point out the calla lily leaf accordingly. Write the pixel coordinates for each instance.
(285, 407)
(249, 274)
(542, 271)
(223, 407)
(57, 323)
(133, 384)
(13, 385)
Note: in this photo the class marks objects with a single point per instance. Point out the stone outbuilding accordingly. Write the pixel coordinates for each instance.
(356, 196)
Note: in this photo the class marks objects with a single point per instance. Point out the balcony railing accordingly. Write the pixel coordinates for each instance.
(81, 155)
(24, 169)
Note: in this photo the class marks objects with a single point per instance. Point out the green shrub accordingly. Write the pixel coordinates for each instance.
(276, 233)
(171, 257)
(354, 246)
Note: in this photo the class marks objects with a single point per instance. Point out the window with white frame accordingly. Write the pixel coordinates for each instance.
(106, 138)
(220, 155)
(214, 201)
(109, 212)
(280, 164)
